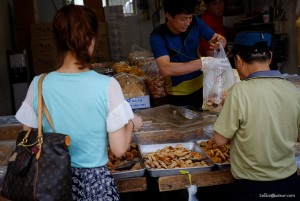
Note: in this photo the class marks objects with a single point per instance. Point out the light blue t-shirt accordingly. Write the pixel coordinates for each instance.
(78, 107)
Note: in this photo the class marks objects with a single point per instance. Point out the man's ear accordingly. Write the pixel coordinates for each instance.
(271, 57)
(238, 60)
(168, 16)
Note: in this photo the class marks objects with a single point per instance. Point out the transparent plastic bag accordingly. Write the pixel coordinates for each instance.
(154, 80)
(192, 190)
(218, 78)
(132, 85)
(138, 56)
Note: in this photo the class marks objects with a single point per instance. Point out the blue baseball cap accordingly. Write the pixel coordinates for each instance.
(252, 38)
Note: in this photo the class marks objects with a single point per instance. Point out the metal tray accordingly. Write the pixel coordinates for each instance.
(144, 149)
(220, 166)
(129, 173)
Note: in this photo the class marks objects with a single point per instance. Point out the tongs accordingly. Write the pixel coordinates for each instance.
(127, 164)
(187, 113)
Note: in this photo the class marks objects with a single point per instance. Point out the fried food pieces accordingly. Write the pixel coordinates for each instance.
(132, 154)
(217, 154)
(173, 157)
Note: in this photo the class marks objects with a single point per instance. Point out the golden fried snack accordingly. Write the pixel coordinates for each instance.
(217, 154)
(131, 154)
(173, 157)
(132, 86)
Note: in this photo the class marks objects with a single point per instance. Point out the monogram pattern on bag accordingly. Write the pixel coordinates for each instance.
(51, 171)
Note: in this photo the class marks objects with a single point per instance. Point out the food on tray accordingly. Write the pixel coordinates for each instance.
(173, 157)
(216, 153)
(129, 161)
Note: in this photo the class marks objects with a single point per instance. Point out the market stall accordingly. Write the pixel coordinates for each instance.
(162, 125)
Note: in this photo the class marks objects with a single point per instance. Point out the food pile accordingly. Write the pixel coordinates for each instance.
(132, 86)
(132, 155)
(124, 67)
(173, 157)
(217, 154)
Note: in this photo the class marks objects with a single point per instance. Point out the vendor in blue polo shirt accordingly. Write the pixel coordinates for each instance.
(261, 116)
(175, 48)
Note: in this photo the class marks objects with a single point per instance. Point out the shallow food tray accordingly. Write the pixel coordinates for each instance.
(129, 173)
(221, 166)
(191, 146)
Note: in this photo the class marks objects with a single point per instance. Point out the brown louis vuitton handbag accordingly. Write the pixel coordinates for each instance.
(40, 167)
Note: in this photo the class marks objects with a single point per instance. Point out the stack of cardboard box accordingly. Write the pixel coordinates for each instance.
(116, 23)
(101, 51)
(43, 48)
(44, 53)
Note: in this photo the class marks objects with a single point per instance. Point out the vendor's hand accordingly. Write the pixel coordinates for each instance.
(216, 40)
(138, 123)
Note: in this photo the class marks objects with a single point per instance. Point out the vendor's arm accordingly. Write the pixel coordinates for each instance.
(169, 68)
(219, 139)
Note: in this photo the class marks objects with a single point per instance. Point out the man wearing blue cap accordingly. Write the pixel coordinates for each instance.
(261, 117)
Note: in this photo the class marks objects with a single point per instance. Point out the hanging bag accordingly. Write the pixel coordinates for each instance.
(218, 78)
(40, 167)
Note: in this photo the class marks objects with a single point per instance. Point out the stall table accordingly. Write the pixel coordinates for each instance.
(163, 124)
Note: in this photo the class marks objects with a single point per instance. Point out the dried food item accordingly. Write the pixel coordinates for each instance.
(129, 161)
(103, 68)
(132, 86)
(155, 81)
(138, 56)
(219, 154)
(124, 67)
(174, 157)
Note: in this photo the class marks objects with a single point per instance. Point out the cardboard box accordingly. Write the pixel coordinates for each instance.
(99, 13)
(41, 31)
(93, 3)
(103, 28)
(101, 56)
(43, 63)
(102, 42)
(44, 46)
(113, 12)
(139, 102)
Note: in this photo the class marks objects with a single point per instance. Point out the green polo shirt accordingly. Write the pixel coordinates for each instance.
(262, 118)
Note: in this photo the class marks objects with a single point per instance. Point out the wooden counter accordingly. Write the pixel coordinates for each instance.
(170, 183)
(177, 182)
(131, 184)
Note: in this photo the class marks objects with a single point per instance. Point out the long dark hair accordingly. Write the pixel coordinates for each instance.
(74, 28)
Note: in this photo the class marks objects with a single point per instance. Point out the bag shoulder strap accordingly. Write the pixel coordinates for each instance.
(44, 107)
(41, 107)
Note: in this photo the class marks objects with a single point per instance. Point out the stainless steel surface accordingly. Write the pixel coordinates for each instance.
(221, 166)
(144, 149)
(129, 174)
